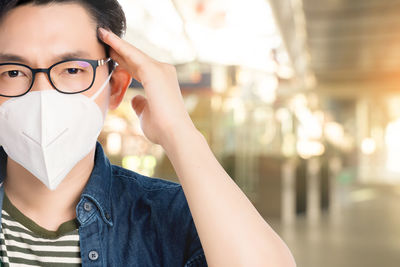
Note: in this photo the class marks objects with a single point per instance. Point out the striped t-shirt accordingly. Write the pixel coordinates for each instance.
(24, 243)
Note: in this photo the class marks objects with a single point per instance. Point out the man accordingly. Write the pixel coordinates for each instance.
(63, 202)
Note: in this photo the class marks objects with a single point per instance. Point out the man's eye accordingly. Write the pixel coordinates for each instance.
(13, 73)
(72, 70)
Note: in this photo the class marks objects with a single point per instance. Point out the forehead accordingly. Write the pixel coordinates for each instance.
(41, 32)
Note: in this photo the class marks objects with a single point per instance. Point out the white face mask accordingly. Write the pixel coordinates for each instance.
(48, 132)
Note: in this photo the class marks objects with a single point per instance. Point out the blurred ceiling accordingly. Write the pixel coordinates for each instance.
(348, 46)
(228, 32)
(343, 47)
(355, 40)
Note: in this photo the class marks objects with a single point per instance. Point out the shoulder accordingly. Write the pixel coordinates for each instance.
(157, 193)
(156, 202)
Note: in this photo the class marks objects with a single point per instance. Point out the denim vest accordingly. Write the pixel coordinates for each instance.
(127, 219)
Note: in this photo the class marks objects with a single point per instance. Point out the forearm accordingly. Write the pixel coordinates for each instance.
(231, 230)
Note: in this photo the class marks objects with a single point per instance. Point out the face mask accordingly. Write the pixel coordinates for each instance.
(48, 132)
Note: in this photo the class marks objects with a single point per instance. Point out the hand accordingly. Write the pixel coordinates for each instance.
(161, 112)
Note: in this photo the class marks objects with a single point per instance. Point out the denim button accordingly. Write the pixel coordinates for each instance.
(93, 255)
(87, 206)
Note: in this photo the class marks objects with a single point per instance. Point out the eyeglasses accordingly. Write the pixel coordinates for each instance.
(70, 76)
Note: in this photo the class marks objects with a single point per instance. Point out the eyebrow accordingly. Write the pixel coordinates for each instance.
(65, 56)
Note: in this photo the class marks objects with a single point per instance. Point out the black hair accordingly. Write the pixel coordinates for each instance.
(106, 13)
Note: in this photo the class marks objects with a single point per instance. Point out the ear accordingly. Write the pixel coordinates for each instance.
(120, 81)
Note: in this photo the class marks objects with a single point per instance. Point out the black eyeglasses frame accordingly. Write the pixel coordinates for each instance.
(94, 63)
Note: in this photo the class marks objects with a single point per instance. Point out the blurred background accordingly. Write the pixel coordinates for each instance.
(299, 101)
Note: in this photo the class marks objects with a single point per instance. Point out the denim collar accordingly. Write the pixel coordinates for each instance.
(3, 164)
(98, 188)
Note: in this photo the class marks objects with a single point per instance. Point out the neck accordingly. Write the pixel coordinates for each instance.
(49, 209)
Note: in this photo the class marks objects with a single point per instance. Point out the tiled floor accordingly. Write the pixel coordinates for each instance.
(365, 233)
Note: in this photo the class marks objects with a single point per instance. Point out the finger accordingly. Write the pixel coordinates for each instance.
(123, 48)
(117, 58)
(132, 70)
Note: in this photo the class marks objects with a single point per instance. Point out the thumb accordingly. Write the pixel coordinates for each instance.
(138, 103)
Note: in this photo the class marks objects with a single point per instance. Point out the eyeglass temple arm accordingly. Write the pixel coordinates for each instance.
(102, 62)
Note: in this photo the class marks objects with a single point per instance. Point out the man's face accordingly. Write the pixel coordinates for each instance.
(42, 35)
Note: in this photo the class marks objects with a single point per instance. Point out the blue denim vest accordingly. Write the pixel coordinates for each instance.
(127, 219)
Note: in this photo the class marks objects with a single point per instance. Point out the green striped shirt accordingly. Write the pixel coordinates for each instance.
(24, 243)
